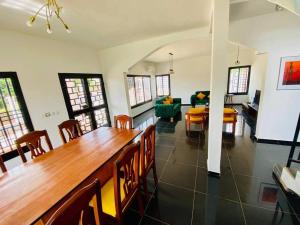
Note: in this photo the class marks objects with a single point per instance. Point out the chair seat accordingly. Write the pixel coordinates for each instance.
(196, 119)
(228, 119)
(196, 110)
(108, 197)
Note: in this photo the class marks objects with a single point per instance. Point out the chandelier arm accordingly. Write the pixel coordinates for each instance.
(40, 9)
(60, 19)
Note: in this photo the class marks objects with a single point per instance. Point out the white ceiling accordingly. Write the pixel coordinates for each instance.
(106, 23)
(241, 9)
(187, 49)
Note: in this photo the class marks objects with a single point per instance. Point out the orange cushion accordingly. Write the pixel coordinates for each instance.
(229, 110)
(228, 119)
(201, 96)
(166, 102)
(196, 110)
(196, 119)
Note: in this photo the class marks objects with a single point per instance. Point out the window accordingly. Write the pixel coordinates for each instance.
(162, 85)
(139, 89)
(238, 80)
(85, 99)
(14, 117)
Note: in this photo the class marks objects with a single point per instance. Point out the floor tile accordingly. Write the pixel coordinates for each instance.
(211, 210)
(186, 156)
(159, 168)
(255, 216)
(222, 186)
(172, 205)
(180, 175)
(261, 193)
(162, 152)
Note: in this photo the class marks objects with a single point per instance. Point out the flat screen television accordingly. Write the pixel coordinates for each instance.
(256, 97)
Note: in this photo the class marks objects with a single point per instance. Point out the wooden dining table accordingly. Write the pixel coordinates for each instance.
(30, 192)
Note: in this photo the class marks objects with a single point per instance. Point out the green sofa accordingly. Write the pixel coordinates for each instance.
(196, 101)
(167, 111)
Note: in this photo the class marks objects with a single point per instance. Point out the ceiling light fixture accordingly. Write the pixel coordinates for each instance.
(171, 70)
(52, 9)
(278, 8)
(237, 62)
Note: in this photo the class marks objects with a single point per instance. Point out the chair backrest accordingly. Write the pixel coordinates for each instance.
(126, 165)
(72, 128)
(2, 165)
(195, 115)
(230, 113)
(76, 209)
(147, 153)
(123, 122)
(33, 141)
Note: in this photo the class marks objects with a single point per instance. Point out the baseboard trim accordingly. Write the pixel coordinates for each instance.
(143, 112)
(185, 104)
(213, 174)
(276, 142)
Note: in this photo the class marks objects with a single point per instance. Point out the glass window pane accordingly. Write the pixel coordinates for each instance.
(159, 86)
(131, 91)
(166, 84)
(233, 80)
(77, 94)
(243, 80)
(85, 122)
(12, 125)
(139, 90)
(101, 117)
(147, 88)
(96, 91)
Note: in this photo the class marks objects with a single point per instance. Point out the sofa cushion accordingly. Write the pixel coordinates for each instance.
(166, 102)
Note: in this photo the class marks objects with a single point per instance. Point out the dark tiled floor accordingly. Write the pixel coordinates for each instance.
(245, 193)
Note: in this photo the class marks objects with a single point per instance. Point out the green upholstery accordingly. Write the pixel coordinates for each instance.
(167, 111)
(197, 101)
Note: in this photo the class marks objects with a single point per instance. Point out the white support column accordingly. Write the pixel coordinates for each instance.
(218, 81)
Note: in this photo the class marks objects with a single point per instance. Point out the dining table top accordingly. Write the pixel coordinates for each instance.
(31, 189)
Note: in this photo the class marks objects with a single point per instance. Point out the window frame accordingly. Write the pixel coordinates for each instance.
(23, 108)
(91, 108)
(141, 76)
(248, 81)
(169, 80)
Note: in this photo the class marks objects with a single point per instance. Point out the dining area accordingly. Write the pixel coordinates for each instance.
(91, 178)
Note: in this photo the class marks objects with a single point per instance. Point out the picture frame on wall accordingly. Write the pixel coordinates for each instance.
(289, 73)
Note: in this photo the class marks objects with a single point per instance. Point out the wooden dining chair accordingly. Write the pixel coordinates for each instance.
(230, 117)
(2, 165)
(195, 116)
(33, 141)
(72, 128)
(118, 193)
(147, 157)
(123, 122)
(77, 210)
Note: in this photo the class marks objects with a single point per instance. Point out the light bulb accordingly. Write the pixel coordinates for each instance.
(68, 29)
(29, 23)
(49, 31)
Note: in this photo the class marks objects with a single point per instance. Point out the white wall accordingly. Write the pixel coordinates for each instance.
(278, 35)
(258, 74)
(37, 62)
(193, 74)
(143, 68)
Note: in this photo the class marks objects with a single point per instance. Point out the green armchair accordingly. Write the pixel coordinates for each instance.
(167, 111)
(196, 101)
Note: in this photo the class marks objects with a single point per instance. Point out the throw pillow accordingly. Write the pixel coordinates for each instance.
(201, 96)
(166, 102)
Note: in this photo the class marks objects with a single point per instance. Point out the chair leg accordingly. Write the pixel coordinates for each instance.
(140, 203)
(155, 174)
(145, 187)
(233, 128)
